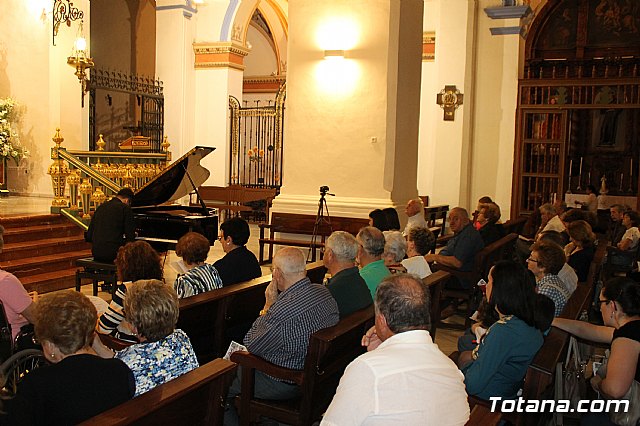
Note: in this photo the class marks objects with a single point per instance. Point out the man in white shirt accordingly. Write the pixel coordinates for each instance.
(550, 220)
(415, 213)
(403, 378)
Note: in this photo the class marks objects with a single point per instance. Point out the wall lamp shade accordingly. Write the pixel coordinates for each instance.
(334, 54)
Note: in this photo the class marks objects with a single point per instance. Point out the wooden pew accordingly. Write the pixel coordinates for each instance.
(303, 224)
(195, 398)
(213, 318)
(435, 283)
(330, 351)
(437, 216)
(484, 260)
(515, 226)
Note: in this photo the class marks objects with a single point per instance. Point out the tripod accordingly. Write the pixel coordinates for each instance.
(322, 219)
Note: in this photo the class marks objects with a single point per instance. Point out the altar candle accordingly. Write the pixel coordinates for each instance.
(570, 166)
(580, 171)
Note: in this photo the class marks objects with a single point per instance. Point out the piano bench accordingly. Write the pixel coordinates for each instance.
(96, 272)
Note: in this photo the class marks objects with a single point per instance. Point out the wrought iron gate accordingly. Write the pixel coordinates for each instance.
(145, 92)
(256, 138)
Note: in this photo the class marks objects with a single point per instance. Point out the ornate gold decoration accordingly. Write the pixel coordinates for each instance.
(219, 55)
(58, 170)
(73, 180)
(449, 100)
(100, 144)
(98, 197)
(85, 192)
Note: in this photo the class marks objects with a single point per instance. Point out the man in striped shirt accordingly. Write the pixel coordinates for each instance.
(295, 309)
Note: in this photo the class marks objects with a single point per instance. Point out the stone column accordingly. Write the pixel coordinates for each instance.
(352, 123)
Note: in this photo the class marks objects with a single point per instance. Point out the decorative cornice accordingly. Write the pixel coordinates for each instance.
(263, 84)
(507, 12)
(220, 55)
(429, 46)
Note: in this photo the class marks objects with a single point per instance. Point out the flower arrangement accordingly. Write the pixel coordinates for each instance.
(255, 154)
(9, 142)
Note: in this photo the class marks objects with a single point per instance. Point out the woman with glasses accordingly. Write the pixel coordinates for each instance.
(238, 263)
(545, 261)
(620, 308)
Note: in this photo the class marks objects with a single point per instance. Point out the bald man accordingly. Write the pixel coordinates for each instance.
(294, 310)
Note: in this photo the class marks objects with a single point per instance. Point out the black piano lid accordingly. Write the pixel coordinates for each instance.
(173, 182)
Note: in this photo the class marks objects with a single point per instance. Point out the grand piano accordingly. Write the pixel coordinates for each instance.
(160, 224)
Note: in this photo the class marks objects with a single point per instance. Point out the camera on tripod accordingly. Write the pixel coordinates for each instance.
(324, 189)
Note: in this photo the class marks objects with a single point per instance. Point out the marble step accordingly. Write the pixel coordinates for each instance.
(35, 232)
(42, 264)
(34, 248)
(50, 281)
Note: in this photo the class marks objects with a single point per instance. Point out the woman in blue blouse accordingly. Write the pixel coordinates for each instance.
(164, 352)
(498, 365)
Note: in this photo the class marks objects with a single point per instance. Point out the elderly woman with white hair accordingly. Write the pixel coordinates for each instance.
(395, 249)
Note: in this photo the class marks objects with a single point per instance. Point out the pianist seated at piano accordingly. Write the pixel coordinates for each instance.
(135, 261)
(198, 276)
(238, 264)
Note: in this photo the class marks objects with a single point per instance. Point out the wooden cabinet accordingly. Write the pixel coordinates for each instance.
(541, 152)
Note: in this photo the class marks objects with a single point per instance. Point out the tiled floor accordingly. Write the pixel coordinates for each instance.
(9, 206)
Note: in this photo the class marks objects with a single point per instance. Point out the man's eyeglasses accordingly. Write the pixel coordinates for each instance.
(530, 259)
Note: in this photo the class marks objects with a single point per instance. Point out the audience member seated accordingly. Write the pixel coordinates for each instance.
(487, 223)
(572, 215)
(498, 365)
(415, 215)
(560, 206)
(619, 304)
(630, 238)
(550, 219)
(78, 384)
(461, 250)
(403, 378)
(18, 306)
(193, 248)
(238, 264)
(135, 261)
(295, 309)
(591, 204)
(163, 353)
(545, 261)
(393, 221)
(378, 219)
(111, 227)
(346, 285)
(395, 249)
(420, 241)
(616, 228)
(370, 249)
(486, 316)
(483, 200)
(581, 249)
(567, 274)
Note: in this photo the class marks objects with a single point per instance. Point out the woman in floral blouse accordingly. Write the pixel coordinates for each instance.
(164, 353)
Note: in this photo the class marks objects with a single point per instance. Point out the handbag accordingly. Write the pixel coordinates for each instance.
(570, 381)
(631, 417)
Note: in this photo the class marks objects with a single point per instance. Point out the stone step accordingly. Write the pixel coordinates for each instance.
(21, 220)
(42, 264)
(50, 281)
(34, 248)
(31, 233)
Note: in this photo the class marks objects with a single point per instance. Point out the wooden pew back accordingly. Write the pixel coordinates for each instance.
(437, 216)
(330, 351)
(195, 398)
(213, 318)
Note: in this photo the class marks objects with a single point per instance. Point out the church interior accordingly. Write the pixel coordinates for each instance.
(255, 102)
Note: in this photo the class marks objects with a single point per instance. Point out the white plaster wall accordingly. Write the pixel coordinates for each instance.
(494, 124)
(36, 75)
(430, 112)
(262, 58)
(174, 66)
(212, 118)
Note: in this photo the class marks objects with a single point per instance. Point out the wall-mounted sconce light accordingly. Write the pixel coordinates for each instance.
(81, 61)
(63, 11)
(334, 54)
